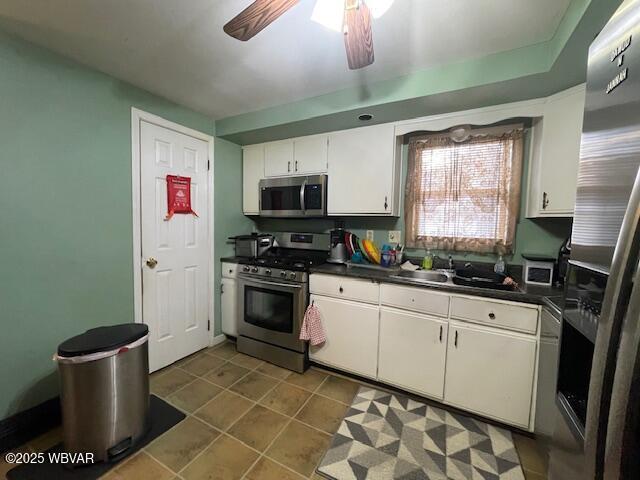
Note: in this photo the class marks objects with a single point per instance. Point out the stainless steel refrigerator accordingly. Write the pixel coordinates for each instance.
(597, 433)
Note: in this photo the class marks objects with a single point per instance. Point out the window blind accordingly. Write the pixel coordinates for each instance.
(464, 196)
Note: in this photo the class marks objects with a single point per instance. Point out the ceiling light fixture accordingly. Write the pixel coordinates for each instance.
(350, 17)
(330, 13)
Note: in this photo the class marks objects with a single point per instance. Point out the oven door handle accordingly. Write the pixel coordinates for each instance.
(303, 187)
(273, 284)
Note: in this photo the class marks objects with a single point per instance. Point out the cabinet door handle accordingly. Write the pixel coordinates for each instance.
(288, 166)
(455, 340)
(296, 165)
(221, 289)
(341, 289)
(386, 204)
(545, 200)
(440, 333)
(492, 316)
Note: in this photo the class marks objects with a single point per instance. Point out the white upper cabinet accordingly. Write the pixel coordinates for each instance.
(363, 171)
(555, 153)
(278, 159)
(310, 155)
(252, 173)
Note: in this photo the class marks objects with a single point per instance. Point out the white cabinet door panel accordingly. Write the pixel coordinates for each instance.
(509, 316)
(278, 159)
(344, 288)
(416, 299)
(310, 155)
(361, 171)
(412, 351)
(229, 306)
(562, 132)
(252, 173)
(490, 373)
(352, 336)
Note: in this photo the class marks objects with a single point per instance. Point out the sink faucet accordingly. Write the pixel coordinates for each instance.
(451, 267)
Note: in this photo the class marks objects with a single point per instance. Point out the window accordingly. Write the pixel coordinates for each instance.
(464, 195)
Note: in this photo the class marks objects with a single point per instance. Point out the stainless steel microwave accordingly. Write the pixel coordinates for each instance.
(294, 196)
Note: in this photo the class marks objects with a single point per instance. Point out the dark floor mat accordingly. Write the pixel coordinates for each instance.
(163, 417)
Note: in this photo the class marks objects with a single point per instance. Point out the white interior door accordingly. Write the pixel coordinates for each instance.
(175, 289)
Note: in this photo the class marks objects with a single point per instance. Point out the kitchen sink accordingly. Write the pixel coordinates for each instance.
(480, 282)
(423, 276)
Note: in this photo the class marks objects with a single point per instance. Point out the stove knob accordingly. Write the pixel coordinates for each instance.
(245, 269)
(283, 274)
(267, 271)
(255, 269)
(292, 275)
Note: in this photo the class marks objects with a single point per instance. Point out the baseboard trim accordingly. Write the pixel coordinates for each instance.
(218, 339)
(18, 429)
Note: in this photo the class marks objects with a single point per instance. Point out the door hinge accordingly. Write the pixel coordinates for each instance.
(208, 324)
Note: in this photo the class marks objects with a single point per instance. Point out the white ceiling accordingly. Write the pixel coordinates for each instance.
(177, 49)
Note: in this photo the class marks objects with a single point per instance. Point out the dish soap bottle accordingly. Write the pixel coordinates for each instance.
(427, 261)
(499, 267)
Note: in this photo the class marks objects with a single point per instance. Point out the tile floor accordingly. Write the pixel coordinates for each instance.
(248, 419)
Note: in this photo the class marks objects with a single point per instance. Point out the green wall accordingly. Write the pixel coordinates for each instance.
(228, 207)
(65, 198)
(542, 236)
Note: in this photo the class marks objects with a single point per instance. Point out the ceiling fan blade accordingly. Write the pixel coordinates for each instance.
(255, 17)
(358, 40)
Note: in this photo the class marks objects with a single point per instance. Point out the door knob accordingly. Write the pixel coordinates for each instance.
(151, 262)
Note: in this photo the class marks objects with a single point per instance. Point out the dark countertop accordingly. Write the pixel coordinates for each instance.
(525, 293)
(232, 259)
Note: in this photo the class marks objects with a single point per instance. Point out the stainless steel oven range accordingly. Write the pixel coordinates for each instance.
(273, 294)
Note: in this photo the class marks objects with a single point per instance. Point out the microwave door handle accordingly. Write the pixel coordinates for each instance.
(303, 187)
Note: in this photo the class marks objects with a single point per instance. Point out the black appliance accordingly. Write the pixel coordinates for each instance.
(562, 263)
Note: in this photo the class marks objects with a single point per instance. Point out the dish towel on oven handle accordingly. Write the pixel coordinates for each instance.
(312, 329)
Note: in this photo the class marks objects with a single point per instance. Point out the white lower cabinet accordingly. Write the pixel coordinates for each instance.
(479, 355)
(352, 336)
(229, 306)
(413, 350)
(491, 373)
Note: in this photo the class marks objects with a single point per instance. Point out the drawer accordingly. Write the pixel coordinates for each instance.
(347, 288)
(230, 270)
(416, 299)
(496, 314)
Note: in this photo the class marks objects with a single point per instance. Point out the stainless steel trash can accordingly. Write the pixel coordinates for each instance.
(104, 375)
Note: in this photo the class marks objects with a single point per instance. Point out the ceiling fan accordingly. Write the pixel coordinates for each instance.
(354, 20)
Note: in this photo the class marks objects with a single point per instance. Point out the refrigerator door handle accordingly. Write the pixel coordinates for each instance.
(621, 457)
(613, 311)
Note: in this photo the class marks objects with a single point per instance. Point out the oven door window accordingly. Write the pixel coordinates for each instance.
(268, 309)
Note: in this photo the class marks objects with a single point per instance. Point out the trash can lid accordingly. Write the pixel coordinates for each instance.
(102, 339)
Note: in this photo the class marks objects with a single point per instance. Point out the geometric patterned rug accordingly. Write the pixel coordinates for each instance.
(387, 436)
